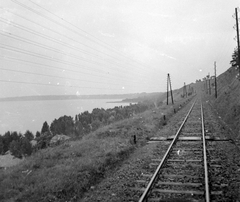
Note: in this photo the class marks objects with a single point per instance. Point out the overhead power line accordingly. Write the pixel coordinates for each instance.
(98, 40)
(59, 42)
(55, 85)
(61, 77)
(59, 24)
(62, 69)
(10, 35)
(76, 32)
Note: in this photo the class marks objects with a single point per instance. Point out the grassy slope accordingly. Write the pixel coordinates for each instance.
(66, 172)
(228, 102)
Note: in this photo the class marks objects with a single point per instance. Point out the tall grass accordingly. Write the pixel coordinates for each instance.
(66, 172)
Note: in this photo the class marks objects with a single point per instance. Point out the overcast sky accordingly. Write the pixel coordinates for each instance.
(111, 46)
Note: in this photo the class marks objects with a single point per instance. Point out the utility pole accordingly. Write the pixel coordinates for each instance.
(215, 73)
(236, 14)
(171, 89)
(169, 85)
(184, 90)
(167, 88)
(206, 85)
(209, 83)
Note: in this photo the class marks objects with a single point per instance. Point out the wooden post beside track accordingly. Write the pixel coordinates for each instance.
(169, 85)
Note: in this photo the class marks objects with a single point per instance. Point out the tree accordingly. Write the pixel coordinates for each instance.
(15, 136)
(234, 62)
(7, 139)
(38, 134)
(96, 124)
(45, 127)
(44, 140)
(63, 125)
(21, 147)
(15, 149)
(26, 147)
(79, 132)
(29, 135)
(1, 145)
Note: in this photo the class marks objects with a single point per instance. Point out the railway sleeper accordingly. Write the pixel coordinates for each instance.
(181, 180)
(181, 165)
(176, 180)
(173, 176)
(189, 149)
(185, 156)
(185, 172)
(189, 184)
(179, 187)
(174, 191)
(185, 160)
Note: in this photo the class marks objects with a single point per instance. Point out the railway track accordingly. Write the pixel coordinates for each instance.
(183, 172)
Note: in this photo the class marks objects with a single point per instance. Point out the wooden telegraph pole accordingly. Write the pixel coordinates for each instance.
(169, 85)
(215, 73)
(236, 13)
(184, 90)
(209, 83)
(206, 85)
(167, 88)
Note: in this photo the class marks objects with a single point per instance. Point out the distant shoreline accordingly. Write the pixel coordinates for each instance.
(124, 101)
(126, 98)
(67, 97)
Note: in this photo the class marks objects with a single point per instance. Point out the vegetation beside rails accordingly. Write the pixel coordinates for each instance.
(67, 171)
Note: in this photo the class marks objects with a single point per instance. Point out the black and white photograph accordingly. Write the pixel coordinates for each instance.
(119, 101)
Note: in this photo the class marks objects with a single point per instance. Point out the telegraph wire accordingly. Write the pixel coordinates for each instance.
(53, 39)
(106, 44)
(54, 85)
(52, 59)
(57, 68)
(48, 66)
(54, 21)
(49, 38)
(117, 51)
(45, 36)
(59, 77)
(10, 35)
(46, 18)
(11, 48)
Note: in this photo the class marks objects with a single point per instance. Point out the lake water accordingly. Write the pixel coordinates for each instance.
(30, 115)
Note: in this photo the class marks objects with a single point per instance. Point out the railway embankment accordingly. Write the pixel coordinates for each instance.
(227, 103)
(68, 171)
(224, 168)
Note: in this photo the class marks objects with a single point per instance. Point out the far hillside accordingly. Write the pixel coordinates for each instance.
(228, 101)
(159, 98)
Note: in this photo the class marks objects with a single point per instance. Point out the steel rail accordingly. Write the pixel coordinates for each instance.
(207, 194)
(154, 177)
